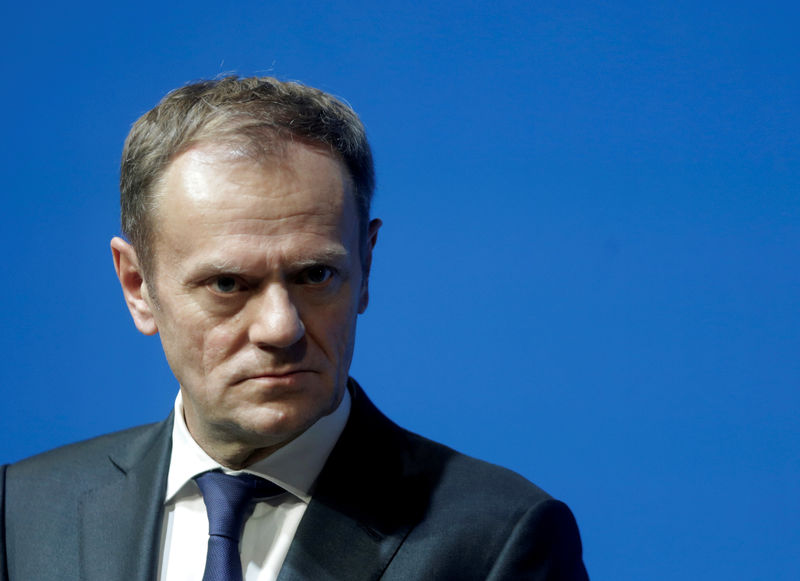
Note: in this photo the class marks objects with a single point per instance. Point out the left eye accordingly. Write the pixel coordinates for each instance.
(316, 275)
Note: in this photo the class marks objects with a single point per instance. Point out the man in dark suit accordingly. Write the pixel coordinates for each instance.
(245, 203)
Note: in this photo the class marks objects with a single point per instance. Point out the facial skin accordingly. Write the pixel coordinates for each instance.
(257, 285)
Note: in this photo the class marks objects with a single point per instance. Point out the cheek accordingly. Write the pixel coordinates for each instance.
(340, 336)
(217, 344)
(194, 347)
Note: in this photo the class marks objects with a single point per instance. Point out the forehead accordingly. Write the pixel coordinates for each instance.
(217, 193)
(205, 171)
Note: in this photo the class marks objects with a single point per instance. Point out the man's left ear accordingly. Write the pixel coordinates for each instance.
(372, 239)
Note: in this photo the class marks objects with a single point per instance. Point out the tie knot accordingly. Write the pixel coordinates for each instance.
(229, 500)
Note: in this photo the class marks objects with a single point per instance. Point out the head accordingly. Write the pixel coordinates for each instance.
(253, 114)
(258, 253)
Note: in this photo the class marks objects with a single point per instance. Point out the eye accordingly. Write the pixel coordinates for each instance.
(316, 275)
(226, 284)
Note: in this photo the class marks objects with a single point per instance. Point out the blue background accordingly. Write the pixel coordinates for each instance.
(589, 265)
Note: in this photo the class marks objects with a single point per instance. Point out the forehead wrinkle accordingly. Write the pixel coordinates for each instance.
(242, 266)
(312, 212)
(275, 209)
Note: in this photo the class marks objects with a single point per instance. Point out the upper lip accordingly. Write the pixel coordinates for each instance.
(277, 373)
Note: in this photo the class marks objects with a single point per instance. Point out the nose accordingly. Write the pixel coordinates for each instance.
(275, 321)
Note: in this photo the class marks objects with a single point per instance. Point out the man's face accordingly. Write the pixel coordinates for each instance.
(257, 284)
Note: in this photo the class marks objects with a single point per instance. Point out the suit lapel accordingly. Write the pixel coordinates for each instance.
(330, 545)
(363, 506)
(121, 520)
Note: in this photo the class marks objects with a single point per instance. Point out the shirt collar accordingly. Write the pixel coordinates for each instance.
(294, 466)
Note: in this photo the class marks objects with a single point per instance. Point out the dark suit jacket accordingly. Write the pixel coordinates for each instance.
(388, 505)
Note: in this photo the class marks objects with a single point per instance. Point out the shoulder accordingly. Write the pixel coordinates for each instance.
(88, 459)
(467, 517)
(482, 521)
(431, 478)
(398, 452)
(460, 470)
(460, 486)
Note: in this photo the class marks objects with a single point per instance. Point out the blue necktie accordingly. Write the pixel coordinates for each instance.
(229, 501)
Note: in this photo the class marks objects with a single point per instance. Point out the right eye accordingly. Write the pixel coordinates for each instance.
(226, 285)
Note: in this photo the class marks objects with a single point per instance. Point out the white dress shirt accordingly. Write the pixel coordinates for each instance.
(270, 529)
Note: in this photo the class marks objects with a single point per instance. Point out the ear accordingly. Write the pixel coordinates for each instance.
(134, 288)
(372, 239)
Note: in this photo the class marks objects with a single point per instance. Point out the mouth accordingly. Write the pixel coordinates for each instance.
(277, 377)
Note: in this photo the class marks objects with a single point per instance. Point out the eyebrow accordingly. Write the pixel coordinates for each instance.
(327, 255)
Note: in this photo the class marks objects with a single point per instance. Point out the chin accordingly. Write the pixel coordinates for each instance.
(272, 427)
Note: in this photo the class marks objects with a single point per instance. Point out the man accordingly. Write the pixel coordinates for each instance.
(245, 203)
